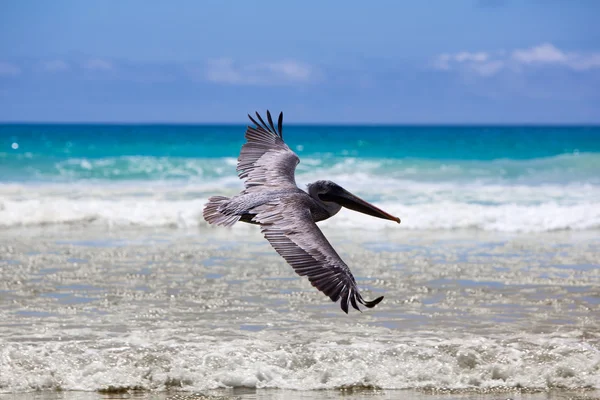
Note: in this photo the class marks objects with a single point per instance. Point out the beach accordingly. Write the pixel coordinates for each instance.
(203, 309)
(112, 285)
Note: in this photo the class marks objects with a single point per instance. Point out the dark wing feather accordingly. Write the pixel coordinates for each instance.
(271, 121)
(262, 121)
(258, 126)
(265, 159)
(288, 225)
(280, 125)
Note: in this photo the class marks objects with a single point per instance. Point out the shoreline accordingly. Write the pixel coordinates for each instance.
(464, 314)
(342, 393)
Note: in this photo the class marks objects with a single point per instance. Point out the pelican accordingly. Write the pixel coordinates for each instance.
(287, 215)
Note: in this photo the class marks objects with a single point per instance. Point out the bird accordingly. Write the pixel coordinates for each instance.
(288, 215)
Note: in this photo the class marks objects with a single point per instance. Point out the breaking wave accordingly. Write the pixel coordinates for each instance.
(430, 206)
(528, 195)
(523, 362)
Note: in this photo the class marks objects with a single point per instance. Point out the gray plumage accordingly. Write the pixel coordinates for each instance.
(287, 215)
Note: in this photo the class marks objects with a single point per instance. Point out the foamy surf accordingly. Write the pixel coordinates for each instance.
(90, 309)
(421, 206)
(154, 361)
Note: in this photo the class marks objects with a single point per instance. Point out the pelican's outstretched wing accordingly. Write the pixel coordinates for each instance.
(265, 160)
(288, 225)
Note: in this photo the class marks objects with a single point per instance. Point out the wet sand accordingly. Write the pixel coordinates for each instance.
(275, 394)
(466, 315)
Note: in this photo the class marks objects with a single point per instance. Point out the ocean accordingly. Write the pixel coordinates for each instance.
(506, 179)
(112, 284)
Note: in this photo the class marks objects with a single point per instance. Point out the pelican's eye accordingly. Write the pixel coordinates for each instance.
(326, 197)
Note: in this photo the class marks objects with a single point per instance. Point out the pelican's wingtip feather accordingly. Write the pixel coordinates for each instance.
(262, 121)
(280, 125)
(270, 127)
(271, 121)
(373, 303)
(254, 121)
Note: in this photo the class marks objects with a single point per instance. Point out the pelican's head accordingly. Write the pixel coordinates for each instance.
(334, 196)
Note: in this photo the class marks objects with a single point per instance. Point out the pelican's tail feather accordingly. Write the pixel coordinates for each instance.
(213, 212)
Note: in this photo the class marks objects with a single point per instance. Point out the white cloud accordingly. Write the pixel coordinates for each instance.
(588, 62)
(227, 71)
(222, 71)
(473, 57)
(487, 68)
(290, 70)
(545, 53)
(442, 62)
(488, 64)
(56, 66)
(549, 54)
(97, 64)
(7, 69)
(478, 62)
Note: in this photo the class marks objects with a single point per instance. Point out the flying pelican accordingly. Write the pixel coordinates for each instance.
(287, 215)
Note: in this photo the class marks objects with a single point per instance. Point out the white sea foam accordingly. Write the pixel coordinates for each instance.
(84, 310)
(445, 206)
(144, 360)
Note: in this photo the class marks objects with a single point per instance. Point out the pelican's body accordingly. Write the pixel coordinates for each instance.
(245, 204)
(288, 215)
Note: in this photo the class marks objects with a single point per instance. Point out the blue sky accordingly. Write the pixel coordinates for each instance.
(425, 61)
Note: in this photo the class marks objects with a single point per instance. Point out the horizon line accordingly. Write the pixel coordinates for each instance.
(356, 124)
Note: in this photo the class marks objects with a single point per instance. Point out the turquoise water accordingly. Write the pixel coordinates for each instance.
(184, 152)
(434, 142)
(550, 176)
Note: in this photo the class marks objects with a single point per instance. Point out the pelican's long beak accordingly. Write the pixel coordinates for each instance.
(348, 200)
